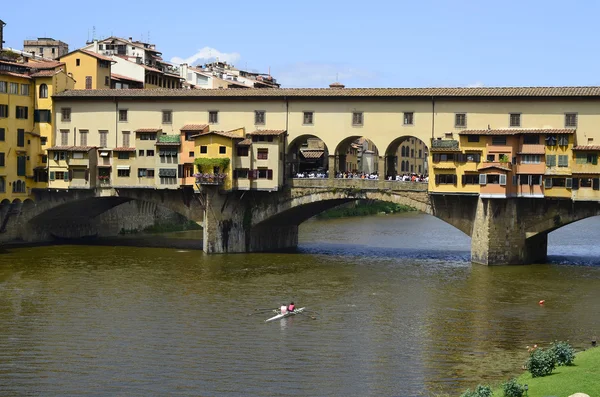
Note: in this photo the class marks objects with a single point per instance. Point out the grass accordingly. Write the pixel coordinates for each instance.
(364, 208)
(583, 377)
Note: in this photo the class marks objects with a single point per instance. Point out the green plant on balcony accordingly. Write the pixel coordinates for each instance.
(208, 164)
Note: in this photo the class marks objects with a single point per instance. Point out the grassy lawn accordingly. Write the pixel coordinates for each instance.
(583, 377)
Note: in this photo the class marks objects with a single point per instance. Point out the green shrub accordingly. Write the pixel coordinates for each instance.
(564, 354)
(541, 362)
(512, 388)
(480, 391)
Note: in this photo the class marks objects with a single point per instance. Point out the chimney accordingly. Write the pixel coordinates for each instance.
(95, 48)
(184, 70)
(336, 85)
(130, 39)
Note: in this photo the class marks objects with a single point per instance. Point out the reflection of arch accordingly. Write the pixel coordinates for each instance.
(16, 201)
(357, 154)
(307, 153)
(5, 202)
(406, 147)
(28, 204)
(43, 91)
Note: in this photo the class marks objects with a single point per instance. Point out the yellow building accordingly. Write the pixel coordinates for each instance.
(215, 156)
(90, 71)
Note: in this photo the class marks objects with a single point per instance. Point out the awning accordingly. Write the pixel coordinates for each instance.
(103, 154)
(167, 172)
(123, 167)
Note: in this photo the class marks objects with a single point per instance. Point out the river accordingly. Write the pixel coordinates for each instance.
(402, 312)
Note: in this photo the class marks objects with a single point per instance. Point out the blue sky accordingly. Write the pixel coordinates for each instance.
(368, 43)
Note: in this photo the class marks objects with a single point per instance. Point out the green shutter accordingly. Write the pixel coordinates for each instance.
(51, 175)
(66, 179)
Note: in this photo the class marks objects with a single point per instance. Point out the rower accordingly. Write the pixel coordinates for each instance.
(291, 307)
(283, 309)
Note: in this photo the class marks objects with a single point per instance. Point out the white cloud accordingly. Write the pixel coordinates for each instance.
(208, 54)
(306, 74)
(477, 84)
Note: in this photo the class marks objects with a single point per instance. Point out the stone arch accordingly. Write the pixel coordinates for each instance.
(406, 154)
(306, 154)
(357, 154)
(28, 205)
(16, 201)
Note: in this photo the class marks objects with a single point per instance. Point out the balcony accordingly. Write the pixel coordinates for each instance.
(444, 144)
(210, 179)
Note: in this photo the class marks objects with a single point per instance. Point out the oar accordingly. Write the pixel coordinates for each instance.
(314, 318)
(266, 309)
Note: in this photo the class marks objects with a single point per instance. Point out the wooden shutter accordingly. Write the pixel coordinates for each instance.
(436, 157)
(270, 174)
(250, 174)
(575, 184)
(515, 182)
(569, 183)
(502, 180)
(87, 175)
(180, 171)
(596, 183)
(51, 175)
(595, 159)
(66, 176)
(437, 179)
(464, 179)
(548, 183)
(234, 174)
(530, 180)
(482, 179)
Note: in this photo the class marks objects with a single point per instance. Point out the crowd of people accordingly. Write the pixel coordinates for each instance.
(363, 175)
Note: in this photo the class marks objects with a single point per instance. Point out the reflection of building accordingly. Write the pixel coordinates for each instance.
(46, 47)
(412, 156)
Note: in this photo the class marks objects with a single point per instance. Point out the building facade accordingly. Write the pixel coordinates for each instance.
(46, 47)
(90, 71)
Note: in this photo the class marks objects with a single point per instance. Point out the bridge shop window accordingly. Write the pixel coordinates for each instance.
(531, 139)
(570, 120)
(557, 182)
(59, 156)
(264, 173)
(3, 111)
(262, 138)
(588, 182)
(222, 150)
(530, 180)
(147, 137)
(443, 157)
(551, 140)
(409, 118)
(242, 151)
(491, 157)
(123, 155)
(240, 173)
(470, 179)
(473, 157)
(124, 173)
(586, 158)
(531, 159)
(262, 154)
(445, 179)
(563, 140)
(515, 119)
(2, 185)
(563, 160)
(308, 118)
(357, 118)
(498, 140)
(149, 153)
(472, 138)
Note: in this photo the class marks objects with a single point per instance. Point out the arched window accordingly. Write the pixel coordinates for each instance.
(402, 151)
(43, 91)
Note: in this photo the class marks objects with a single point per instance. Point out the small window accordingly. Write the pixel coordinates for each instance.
(460, 120)
(123, 155)
(203, 149)
(473, 138)
(191, 154)
(78, 62)
(563, 160)
(122, 114)
(408, 118)
(149, 153)
(531, 139)
(2, 134)
(357, 118)
(222, 150)
(123, 173)
(262, 154)
(242, 151)
(22, 112)
(551, 160)
(515, 119)
(491, 157)
(167, 117)
(83, 135)
(106, 81)
(3, 111)
(551, 140)
(213, 117)
(65, 114)
(563, 140)
(259, 117)
(43, 91)
(498, 140)
(25, 89)
(14, 88)
(570, 120)
(88, 82)
(308, 118)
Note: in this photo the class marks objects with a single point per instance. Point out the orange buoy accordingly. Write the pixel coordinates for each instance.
(542, 302)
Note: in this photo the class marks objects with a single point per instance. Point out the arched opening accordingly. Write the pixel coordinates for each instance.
(307, 156)
(43, 91)
(28, 205)
(16, 201)
(357, 156)
(406, 156)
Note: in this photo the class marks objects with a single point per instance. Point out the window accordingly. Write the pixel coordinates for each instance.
(60, 175)
(20, 138)
(555, 182)
(3, 86)
(222, 150)
(191, 154)
(142, 172)
(308, 118)
(213, 117)
(473, 157)
(203, 149)
(515, 119)
(264, 173)
(25, 89)
(420, 153)
(126, 139)
(408, 118)
(551, 160)
(259, 117)
(64, 137)
(21, 165)
(570, 120)
(42, 116)
(140, 153)
(148, 137)
(242, 151)
(83, 135)
(3, 111)
(262, 154)
(357, 118)
(106, 80)
(122, 114)
(14, 88)
(585, 182)
(460, 120)
(149, 153)
(43, 140)
(88, 82)
(2, 185)
(412, 153)
(167, 117)
(123, 155)
(531, 159)
(43, 91)
(2, 134)
(77, 62)
(124, 173)
(2, 159)
(241, 173)
(189, 136)
(22, 112)
(150, 173)
(491, 157)
(262, 138)
(563, 160)
(563, 140)
(493, 179)
(103, 138)
(65, 114)
(498, 140)
(530, 180)
(551, 140)
(470, 179)
(531, 139)
(445, 179)
(59, 156)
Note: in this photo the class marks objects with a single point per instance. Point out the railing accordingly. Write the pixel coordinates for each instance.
(104, 181)
(210, 179)
(444, 144)
(356, 183)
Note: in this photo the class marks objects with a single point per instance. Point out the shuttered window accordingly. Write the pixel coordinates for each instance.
(563, 140)
(21, 165)
(551, 160)
(563, 160)
(483, 179)
(2, 159)
(21, 138)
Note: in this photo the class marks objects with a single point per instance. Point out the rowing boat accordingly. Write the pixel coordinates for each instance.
(288, 314)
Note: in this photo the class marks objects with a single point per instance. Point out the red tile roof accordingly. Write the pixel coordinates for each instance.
(23, 76)
(194, 127)
(267, 132)
(72, 148)
(148, 130)
(45, 65)
(493, 165)
(46, 73)
(221, 133)
(518, 131)
(587, 147)
(312, 154)
(124, 149)
(245, 142)
(98, 56)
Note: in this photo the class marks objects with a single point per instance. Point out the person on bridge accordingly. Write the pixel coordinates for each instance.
(283, 309)
(291, 307)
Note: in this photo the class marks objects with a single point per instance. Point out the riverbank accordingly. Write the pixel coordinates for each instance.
(583, 377)
(364, 208)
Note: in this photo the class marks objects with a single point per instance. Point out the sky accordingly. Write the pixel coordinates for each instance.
(368, 43)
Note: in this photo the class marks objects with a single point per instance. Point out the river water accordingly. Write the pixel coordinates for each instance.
(402, 313)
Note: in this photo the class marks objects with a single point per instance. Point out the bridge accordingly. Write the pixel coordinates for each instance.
(507, 231)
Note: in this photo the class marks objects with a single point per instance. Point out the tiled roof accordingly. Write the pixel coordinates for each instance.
(587, 147)
(32, 133)
(45, 65)
(149, 130)
(520, 92)
(312, 154)
(72, 148)
(492, 165)
(532, 149)
(444, 149)
(245, 142)
(124, 149)
(121, 77)
(221, 133)
(194, 127)
(267, 132)
(98, 56)
(518, 131)
(46, 73)
(13, 74)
